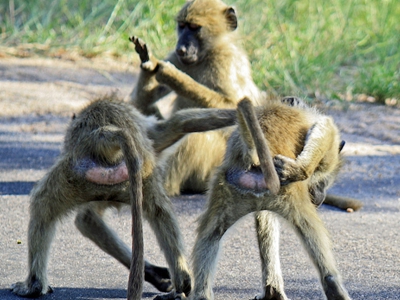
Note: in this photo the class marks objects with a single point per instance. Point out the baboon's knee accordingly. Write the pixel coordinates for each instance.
(84, 220)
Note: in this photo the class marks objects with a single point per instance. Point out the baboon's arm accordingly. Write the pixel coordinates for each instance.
(320, 139)
(146, 93)
(187, 87)
(147, 90)
(165, 133)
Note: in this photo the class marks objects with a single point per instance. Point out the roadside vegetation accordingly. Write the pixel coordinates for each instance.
(344, 49)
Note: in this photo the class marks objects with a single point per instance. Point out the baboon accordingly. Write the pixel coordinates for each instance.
(207, 69)
(212, 71)
(303, 146)
(109, 159)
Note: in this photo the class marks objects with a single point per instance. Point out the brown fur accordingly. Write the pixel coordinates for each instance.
(101, 142)
(239, 188)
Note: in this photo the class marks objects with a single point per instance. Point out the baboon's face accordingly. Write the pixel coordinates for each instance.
(188, 47)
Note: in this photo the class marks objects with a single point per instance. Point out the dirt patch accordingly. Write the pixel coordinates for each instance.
(51, 86)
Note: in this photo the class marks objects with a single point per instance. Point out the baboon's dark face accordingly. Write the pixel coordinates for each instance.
(188, 47)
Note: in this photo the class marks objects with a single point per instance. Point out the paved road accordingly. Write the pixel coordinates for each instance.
(366, 243)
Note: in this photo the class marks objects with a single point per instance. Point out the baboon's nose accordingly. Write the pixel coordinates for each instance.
(181, 51)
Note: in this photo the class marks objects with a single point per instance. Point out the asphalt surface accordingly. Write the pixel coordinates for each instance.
(366, 243)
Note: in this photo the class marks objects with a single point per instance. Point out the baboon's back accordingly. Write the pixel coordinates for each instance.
(284, 127)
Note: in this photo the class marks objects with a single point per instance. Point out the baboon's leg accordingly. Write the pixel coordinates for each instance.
(91, 224)
(46, 209)
(159, 211)
(267, 226)
(183, 165)
(315, 237)
(220, 215)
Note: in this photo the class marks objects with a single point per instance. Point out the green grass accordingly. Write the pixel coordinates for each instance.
(303, 47)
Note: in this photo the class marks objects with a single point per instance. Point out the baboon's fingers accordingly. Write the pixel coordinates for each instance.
(288, 170)
(140, 48)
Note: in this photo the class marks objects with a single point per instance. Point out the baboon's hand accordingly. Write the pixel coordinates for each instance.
(31, 290)
(288, 170)
(171, 296)
(145, 57)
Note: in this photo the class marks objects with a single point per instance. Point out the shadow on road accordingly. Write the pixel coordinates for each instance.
(16, 187)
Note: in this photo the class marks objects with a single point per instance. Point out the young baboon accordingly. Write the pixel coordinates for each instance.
(109, 156)
(300, 143)
(207, 69)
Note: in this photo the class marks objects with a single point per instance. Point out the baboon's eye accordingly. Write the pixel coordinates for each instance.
(181, 25)
(193, 26)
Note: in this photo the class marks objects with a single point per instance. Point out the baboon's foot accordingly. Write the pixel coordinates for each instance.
(289, 170)
(318, 193)
(334, 290)
(183, 284)
(159, 277)
(293, 101)
(170, 296)
(33, 289)
(271, 293)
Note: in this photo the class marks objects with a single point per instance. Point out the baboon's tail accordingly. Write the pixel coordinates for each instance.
(254, 137)
(343, 202)
(133, 163)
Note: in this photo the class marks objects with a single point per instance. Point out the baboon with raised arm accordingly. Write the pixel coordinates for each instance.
(268, 166)
(207, 69)
(109, 157)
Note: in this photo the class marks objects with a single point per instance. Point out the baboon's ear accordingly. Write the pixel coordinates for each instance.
(231, 18)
